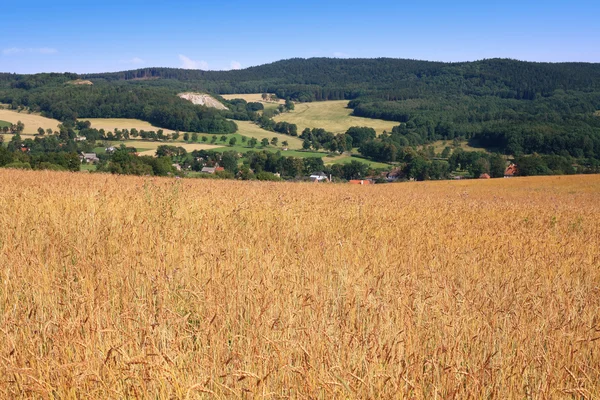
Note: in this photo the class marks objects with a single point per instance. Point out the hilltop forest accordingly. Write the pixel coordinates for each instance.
(508, 106)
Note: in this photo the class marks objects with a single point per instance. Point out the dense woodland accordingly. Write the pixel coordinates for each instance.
(509, 106)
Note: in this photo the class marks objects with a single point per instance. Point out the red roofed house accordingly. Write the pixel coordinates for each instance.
(360, 182)
(484, 176)
(511, 171)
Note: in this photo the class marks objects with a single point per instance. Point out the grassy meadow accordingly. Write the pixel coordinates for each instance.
(130, 287)
(4, 123)
(333, 116)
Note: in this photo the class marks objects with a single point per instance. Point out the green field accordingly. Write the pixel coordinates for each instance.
(345, 159)
(4, 123)
(249, 129)
(333, 116)
(440, 145)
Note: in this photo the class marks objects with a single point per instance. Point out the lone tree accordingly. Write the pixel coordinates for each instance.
(232, 141)
(264, 142)
(285, 143)
(41, 131)
(274, 141)
(194, 137)
(223, 138)
(253, 142)
(186, 136)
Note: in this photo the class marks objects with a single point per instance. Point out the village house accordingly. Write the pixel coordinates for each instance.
(360, 182)
(318, 177)
(89, 158)
(208, 170)
(511, 171)
(484, 176)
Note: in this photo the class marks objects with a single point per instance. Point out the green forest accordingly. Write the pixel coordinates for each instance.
(509, 106)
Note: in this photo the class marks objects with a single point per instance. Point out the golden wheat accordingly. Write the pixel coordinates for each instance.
(117, 287)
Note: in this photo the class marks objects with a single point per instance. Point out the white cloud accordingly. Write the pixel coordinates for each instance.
(339, 54)
(188, 63)
(39, 50)
(236, 65)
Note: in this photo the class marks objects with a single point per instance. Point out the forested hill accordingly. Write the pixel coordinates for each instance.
(310, 79)
(507, 105)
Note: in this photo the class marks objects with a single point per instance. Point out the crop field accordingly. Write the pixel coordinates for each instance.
(130, 287)
(149, 148)
(109, 124)
(31, 121)
(254, 97)
(333, 116)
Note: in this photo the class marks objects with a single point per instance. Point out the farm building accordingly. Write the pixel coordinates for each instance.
(208, 170)
(319, 177)
(484, 176)
(89, 157)
(360, 182)
(511, 171)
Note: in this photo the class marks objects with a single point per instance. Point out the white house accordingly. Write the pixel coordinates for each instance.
(319, 177)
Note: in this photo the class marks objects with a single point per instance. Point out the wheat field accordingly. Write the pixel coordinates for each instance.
(128, 287)
(31, 121)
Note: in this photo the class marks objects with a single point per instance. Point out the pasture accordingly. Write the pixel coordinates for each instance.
(31, 121)
(247, 128)
(4, 123)
(132, 287)
(333, 116)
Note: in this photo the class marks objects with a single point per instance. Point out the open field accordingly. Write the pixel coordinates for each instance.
(150, 147)
(109, 124)
(256, 98)
(345, 159)
(117, 287)
(333, 116)
(4, 123)
(247, 128)
(441, 144)
(32, 121)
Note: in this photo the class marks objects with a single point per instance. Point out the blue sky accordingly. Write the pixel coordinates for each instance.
(108, 35)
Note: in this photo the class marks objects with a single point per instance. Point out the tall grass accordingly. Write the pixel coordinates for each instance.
(116, 287)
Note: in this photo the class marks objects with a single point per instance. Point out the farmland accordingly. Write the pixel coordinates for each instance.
(109, 124)
(31, 121)
(148, 148)
(249, 129)
(116, 287)
(254, 97)
(4, 123)
(333, 116)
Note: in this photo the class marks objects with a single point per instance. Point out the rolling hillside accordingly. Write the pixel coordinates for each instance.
(512, 106)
